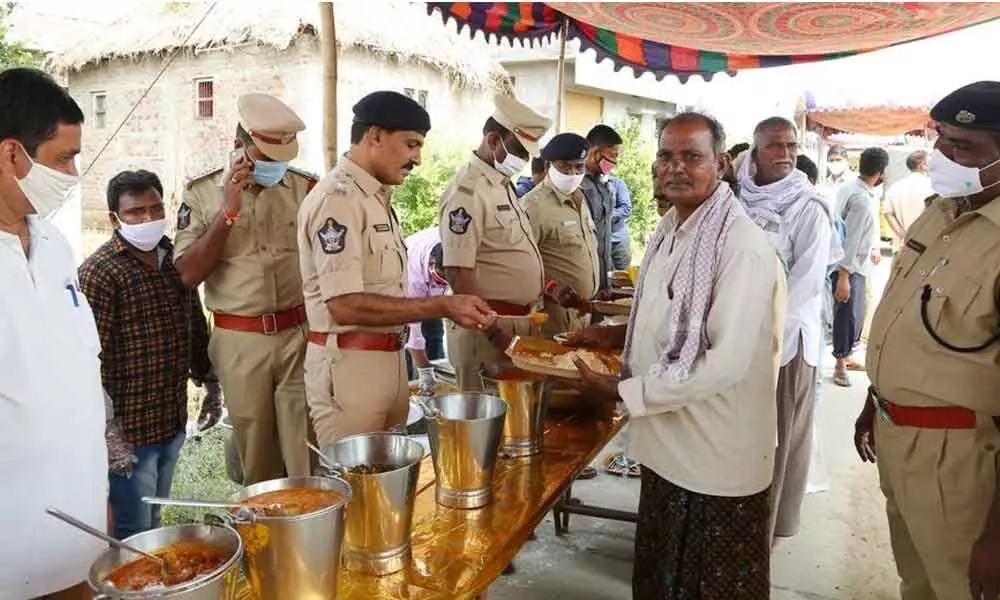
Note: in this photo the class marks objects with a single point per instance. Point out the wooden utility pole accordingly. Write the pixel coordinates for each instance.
(561, 75)
(328, 49)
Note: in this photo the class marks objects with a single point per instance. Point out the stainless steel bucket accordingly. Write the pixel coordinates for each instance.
(377, 541)
(464, 438)
(221, 584)
(294, 557)
(527, 405)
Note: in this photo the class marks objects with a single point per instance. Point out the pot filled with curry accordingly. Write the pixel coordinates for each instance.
(199, 562)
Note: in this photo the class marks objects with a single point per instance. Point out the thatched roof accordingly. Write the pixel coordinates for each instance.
(391, 28)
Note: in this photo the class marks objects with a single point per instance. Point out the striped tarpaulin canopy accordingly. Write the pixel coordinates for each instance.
(703, 38)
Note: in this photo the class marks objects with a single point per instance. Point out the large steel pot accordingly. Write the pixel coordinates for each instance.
(294, 557)
(379, 515)
(221, 584)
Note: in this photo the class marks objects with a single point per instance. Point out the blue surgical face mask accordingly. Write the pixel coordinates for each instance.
(268, 173)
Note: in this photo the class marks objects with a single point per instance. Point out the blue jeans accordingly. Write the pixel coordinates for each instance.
(151, 476)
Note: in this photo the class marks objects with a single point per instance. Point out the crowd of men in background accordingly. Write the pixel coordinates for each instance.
(314, 293)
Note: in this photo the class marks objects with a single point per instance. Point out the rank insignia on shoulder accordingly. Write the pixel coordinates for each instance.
(458, 221)
(332, 237)
(183, 217)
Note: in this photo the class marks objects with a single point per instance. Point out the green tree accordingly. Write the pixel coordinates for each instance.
(13, 54)
(634, 162)
(418, 198)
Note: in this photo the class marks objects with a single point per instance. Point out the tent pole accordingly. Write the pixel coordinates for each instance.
(328, 50)
(561, 75)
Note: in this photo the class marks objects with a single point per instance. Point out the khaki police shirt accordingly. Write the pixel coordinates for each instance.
(959, 258)
(258, 270)
(566, 237)
(349, 242)
(484, 228)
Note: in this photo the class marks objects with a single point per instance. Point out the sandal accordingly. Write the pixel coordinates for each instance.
(840, 378)
(622, 466)
(588, 472)
(853, 365)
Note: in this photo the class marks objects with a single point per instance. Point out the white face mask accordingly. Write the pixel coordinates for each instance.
(837, 167)
(952, 180)
(567, 184)
(512, 165)
(47, 189)
(144, 236)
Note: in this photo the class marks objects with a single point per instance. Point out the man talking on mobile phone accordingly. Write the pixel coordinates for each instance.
(236, 233)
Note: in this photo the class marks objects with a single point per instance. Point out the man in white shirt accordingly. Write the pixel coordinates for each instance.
(52, 416)
(906, 199)
(701, 356)
(786, 206)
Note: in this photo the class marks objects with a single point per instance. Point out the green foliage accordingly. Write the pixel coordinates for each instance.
(417, 199)
(633, 168)
(13, 54)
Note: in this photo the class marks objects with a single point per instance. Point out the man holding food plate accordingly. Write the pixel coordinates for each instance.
(701, 353)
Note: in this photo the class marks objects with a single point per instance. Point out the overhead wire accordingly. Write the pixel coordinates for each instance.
(166, 65)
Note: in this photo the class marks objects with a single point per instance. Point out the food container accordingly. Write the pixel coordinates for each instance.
(294, 556)
(465, 434)
(379, 515)
(527, 405)
(218, 585)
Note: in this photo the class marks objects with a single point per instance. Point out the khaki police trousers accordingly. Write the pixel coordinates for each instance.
(938, 486)
(355, 391)
(469, 351)
(562, 320)
(262, 380)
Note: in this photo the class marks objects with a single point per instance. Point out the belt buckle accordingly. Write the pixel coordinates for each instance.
(404, 336)
(272, 320)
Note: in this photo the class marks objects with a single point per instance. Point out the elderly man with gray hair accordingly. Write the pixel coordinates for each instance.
(783, 202)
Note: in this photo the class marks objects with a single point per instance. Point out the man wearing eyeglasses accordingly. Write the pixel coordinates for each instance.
(605, 145)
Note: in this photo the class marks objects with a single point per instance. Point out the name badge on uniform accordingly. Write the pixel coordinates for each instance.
(503, 207)
(916, 246)
(570, 223)
(382, 227)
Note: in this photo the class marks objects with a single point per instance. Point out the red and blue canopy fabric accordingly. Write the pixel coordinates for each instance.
(703, 38)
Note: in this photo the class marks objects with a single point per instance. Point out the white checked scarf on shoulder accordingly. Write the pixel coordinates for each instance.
(693, 284)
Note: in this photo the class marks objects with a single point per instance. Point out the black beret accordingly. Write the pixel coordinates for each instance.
(975, 106)
(392, 111)
(566, 146)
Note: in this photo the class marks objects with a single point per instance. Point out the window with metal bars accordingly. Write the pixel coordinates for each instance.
(204, 98)
(99, 101)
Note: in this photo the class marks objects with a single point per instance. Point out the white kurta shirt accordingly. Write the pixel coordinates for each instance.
(714, 433)
(52, 450)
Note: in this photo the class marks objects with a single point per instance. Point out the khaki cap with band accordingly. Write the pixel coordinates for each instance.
(527, 125)
(272, 125)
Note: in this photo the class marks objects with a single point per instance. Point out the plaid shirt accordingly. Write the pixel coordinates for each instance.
(154, 336)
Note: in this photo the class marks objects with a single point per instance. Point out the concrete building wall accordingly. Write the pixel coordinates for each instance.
(165, 135)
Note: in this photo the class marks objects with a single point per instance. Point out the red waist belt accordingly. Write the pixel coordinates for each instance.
(363, 340)
(509, 310)
(928, 417)
(267, 324)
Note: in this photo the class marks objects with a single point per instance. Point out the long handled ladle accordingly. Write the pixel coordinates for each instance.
(329, 464)
(164, 565)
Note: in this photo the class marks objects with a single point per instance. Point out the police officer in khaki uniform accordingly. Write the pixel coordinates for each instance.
(566, 235)
(933, 411)
(353, 263)
(236, 233)
(489, 249)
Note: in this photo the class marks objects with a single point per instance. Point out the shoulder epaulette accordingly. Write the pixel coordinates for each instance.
(193, 180)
